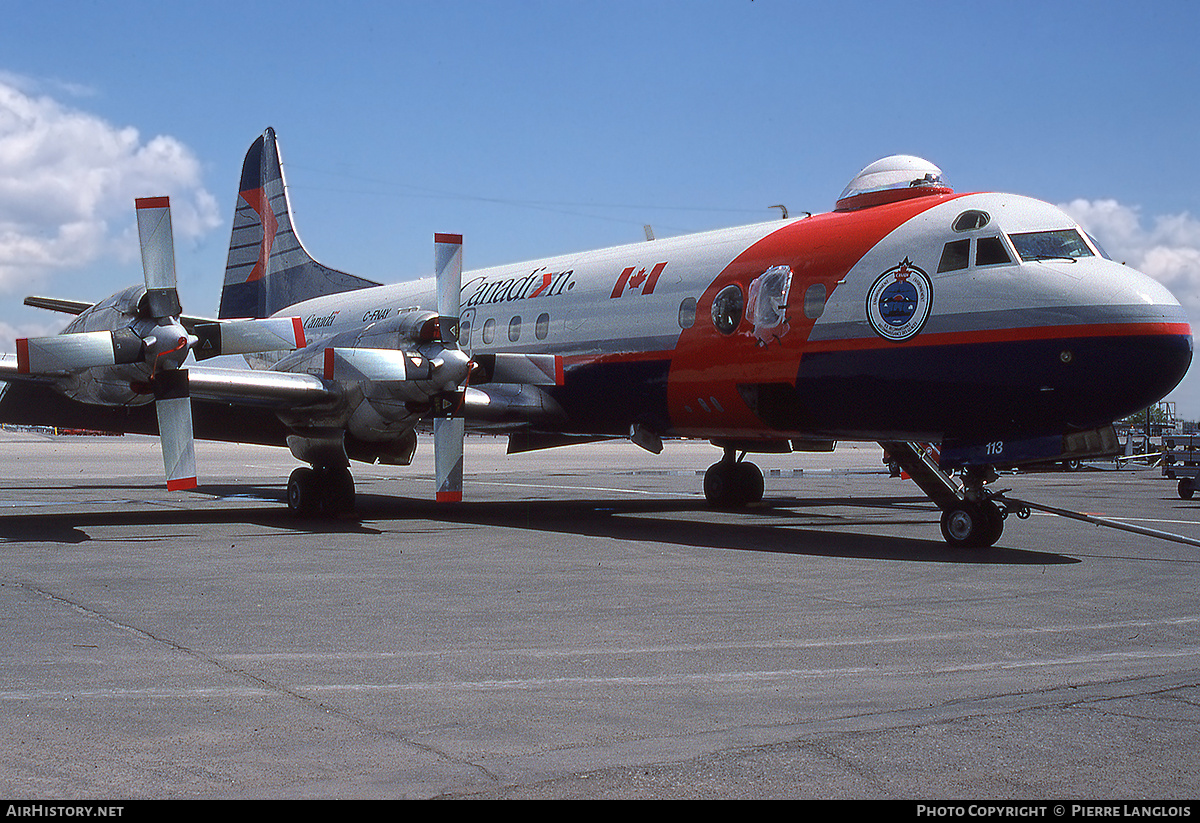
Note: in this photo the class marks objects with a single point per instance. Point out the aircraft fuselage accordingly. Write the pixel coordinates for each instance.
(941, 317)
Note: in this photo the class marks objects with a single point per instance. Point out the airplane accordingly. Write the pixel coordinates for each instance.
(989, 324)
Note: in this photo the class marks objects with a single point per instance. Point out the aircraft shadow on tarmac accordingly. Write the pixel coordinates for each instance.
(778, 525)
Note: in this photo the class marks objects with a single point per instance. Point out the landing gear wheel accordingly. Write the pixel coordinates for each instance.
(718, 484)
(730, 484)
(972, 525)
(749, 483)
(337, 491)
(303, 491)
(1187, 488)
(329, 491)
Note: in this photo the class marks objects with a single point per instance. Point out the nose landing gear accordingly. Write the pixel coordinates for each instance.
(973, 525)
(970, 517)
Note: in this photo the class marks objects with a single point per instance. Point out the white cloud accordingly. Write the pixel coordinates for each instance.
(68, 180)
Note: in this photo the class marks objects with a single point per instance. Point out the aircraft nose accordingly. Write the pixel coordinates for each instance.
(1138, 348)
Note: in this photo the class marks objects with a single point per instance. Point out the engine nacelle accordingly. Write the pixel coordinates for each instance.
(119, 385)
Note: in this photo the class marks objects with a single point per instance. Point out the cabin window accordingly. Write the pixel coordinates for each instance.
(541, 326)
(489, 331)
(990, 251)
(514, 329)
(727, 309)
(687, 313)
(1050, 245)
(464, 332)
(971, 220)
(814, 300)
(955, 256)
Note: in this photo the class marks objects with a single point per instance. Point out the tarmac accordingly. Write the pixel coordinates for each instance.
(583, 626)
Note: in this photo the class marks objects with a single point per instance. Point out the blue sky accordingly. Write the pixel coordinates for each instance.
(535, 128)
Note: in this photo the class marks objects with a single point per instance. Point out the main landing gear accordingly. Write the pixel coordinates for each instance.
(732, 482)
(324, 490)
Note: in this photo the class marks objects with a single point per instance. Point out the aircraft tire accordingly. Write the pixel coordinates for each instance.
(302, 491)
(730, 485)
(749, 481)
(718, 484)
(1187, 488)
(972, 526)
(336, 491)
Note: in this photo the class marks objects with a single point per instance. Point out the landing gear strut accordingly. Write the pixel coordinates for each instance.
(732, 482)
(326, 490)
(970, 517)
(974, 520)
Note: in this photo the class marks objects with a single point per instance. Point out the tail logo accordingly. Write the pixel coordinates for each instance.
(257, 199)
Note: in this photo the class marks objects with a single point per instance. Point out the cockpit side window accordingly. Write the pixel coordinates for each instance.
(1065, 244)
(990, 251)
(955, 256)
(1096, 245)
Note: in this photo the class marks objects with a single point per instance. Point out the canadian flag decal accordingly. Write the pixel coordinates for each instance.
(634, 278)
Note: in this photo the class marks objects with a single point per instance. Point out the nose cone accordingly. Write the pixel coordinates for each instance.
(1139, 348)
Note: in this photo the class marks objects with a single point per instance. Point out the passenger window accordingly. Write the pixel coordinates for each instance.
(541, 327)
(990, 251)
(489, 331)
(955, 256)
(727, 309)
(814, 301)
(514, 329)
(687, 313)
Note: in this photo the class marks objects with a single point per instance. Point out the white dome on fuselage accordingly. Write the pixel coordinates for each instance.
(894, 173)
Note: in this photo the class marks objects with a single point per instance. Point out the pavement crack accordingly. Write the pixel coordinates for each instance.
(246, 676)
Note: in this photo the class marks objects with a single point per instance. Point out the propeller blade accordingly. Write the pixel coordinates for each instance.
(448, 433)
(375, 365)
(79, 350)
(158, 255)
(249, 337)
(447, 268)
(527, 369)
(174, 407)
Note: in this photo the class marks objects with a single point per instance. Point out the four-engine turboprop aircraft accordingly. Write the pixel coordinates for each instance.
(990, 324)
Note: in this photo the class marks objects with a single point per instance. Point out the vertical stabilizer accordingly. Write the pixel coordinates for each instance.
(268, 267)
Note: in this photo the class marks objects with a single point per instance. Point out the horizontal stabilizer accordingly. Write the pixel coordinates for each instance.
(58, 304)
(248, 337)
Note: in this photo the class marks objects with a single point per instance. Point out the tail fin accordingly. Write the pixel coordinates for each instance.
(268, 267)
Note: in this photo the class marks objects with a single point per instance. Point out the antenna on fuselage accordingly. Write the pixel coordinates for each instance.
(783, 209)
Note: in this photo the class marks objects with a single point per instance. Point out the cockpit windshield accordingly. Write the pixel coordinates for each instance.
(1065, 244)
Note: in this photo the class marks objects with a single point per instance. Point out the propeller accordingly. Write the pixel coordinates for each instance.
(167, 344)
(157, 340)
(443, 370)
(448, 430)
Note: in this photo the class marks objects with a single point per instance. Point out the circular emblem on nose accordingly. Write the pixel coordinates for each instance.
(899, 302)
